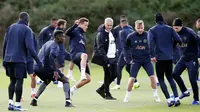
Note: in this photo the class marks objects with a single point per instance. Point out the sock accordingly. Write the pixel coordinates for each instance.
(66, 89)
(72, 89)
(157, 80)
(10, 102)
(168, 100)
(41, 89)
(176, 99)
(17, 104)
(38, 80)
(82, 71)
(186, 92)
(128, 94)
(69, 72)
(33, 90)
(155, 92)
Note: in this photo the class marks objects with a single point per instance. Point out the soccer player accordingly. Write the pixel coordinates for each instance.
(63, 54)
(126, 29)
(18, 41)
(162, 38)
(45, 35)
(105, 55)
(78, 52)
(189, 60)
(119, 43)
(136, 53)
(50, 72)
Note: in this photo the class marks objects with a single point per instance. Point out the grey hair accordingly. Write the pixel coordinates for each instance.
(108, 19)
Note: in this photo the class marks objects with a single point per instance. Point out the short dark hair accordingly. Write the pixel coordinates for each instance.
(61, 22)
(123, 17)
(58, 33)
(54, 19)
(82, 20)
(177, 22)
(24, 16)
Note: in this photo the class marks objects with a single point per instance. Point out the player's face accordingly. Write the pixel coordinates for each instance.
(54, 23)
(109, 26)
(63, 26)
(61, 39)
(139, 28)
(177, 28)
(198, 25)
(84, 26)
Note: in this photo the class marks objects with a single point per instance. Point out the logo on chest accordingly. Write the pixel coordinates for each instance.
(140, 47)
(112, 42)
(82, 42)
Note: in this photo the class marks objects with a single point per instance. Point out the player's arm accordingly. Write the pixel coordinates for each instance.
(176, 37)
(41, 38)
(35, 43)
(197, 39)
(122, 38)
(53, 55)
(100, 46)
(30, 46)
(151, 42)
(5, 43)
(4, 46)
(69, 31)
(127, 46)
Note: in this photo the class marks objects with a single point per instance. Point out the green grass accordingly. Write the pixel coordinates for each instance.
(86, 99)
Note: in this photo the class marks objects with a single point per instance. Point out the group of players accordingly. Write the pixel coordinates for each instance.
(113, 49)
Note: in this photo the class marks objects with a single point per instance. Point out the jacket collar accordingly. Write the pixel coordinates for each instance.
(22, 22)
(80, 29)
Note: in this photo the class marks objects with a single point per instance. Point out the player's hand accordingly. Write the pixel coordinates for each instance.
(76, 22)
(199, 61)
(153, 60)
(55, 76)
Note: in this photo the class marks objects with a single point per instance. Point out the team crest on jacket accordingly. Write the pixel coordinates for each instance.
(184, 38)
(82, 42)
(145, 40)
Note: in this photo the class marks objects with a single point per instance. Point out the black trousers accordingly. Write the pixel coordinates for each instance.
(164, 68)
(110, 73)
(192, 67)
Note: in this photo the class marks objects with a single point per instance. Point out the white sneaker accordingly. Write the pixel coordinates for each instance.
(71, 94)
(157, 99)
(115, 87)
(100, 82)
(83, 77)
(115, 81)
(71, 77)
(60, 84)
(126, 99)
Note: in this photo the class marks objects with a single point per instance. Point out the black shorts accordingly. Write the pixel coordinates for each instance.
(135, 67)
(29, 68)
(77, 60)
(46, 73)
(15, 70)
